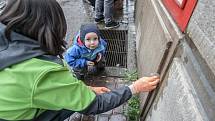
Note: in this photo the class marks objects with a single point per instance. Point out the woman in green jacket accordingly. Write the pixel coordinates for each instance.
(35, 82)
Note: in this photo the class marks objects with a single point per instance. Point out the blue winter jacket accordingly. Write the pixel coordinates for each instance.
(77, 55)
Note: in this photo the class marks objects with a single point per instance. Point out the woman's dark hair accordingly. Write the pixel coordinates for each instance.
(41, 20)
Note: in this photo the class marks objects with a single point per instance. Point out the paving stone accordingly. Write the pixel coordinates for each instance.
(107, 113)
(119, 110)
(118, 117)
(111, 84)
(88, 118)
(102, 118)
(74, 117)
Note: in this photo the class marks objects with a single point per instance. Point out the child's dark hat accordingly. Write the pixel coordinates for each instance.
(87, 28)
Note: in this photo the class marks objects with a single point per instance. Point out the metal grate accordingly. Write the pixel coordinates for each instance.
(117, 47)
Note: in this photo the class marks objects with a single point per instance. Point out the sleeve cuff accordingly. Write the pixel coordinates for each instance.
(131, 87)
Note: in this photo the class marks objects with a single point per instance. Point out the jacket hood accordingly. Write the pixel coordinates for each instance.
(18, 49)
(77, 41)
(87, 28)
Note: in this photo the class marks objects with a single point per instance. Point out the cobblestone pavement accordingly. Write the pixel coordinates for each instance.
(78, 12)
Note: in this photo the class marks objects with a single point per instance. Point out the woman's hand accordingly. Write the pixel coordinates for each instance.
(100, 90)
(144, 84)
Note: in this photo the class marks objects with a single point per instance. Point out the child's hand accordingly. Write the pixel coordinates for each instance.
(90, 63)
(99, 57)
(100, 90)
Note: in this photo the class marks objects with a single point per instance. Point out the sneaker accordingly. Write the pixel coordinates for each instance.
(98, 20)
(111, 25)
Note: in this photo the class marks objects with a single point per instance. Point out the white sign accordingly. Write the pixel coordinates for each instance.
(181, 3)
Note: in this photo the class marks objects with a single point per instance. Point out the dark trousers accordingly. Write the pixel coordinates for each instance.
(93, 2)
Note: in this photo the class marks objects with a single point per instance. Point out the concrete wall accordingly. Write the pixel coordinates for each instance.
(201, 29)
(186, 62)
(177, 101)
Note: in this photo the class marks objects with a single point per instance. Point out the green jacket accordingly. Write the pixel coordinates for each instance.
(36, 83)
(33, 81)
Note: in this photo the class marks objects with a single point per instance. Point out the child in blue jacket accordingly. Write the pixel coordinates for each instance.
(87, 53)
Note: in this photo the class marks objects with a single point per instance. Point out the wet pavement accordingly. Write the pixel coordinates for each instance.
(78, 12)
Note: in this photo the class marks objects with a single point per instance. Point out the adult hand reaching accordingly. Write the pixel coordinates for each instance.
(100, 90)
(144, 84)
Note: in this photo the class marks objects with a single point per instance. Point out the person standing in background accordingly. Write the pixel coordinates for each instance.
(104, 12)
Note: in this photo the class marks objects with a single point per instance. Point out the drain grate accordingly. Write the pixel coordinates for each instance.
(116, 53)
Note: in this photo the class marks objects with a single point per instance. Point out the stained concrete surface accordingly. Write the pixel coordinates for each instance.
(177, 101)
(201, 29)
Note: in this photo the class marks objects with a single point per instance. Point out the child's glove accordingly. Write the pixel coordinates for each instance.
(99, 57)
(144, 84)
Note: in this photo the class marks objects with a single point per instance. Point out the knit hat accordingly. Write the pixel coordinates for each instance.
(87, 28)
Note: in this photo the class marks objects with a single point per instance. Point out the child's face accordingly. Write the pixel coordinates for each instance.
(91, 40)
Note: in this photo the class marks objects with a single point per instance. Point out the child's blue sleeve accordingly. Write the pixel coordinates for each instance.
(73, 58)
